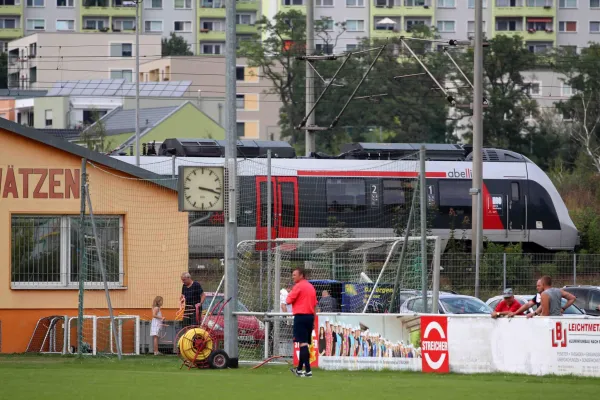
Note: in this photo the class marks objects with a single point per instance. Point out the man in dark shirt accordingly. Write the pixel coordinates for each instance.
(327, 304)
(192, 294)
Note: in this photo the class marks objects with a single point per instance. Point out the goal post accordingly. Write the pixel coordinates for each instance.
(363, 275)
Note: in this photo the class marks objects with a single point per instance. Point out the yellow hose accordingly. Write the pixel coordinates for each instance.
(186, 344)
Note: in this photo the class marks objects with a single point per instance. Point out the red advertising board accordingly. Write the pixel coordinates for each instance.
(434, 344)
(314, 347)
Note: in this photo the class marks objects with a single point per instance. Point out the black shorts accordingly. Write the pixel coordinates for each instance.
(303, 327)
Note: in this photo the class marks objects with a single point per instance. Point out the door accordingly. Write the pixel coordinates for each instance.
(516, 207)
(284, 209)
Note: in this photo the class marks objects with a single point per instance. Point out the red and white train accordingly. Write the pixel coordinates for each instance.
(368, 189)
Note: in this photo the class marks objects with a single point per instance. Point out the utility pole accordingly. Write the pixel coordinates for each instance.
(310, 92)
(231, 282)
(477, 185)
(137, 82)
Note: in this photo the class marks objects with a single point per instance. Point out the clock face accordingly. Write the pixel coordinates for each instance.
(203, 188)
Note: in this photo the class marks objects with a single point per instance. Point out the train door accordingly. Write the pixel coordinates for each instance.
(516, 207)
(284, 209)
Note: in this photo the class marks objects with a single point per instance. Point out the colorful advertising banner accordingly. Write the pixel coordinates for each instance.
(356, 295)
(373, 342)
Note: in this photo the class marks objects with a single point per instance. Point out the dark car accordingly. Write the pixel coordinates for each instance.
(588, 298)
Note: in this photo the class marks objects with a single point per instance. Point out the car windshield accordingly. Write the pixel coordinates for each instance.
(465, 305)
(215, 307)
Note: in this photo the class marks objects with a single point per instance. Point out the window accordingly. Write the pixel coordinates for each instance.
(324, 3)
(594, 300)
(355, 25)
(156, 4)
(355, 3)
(292, 2)
(414, 3)
(506, 25)
(65, 25)
(48, 117)
(566, 90)
(121, 49)
(45, 250)
(326, 23)
(36, 24)
(288, 204)
(125, 25)
(239, 101)
(324, 48)
(393, 195)
(534, 89)
(35, 3)
(182, 26)
(211, 49)
(64, 3)
(567, 3)
(447, 3)
(10, 2)
(514, 191)
(241, 131)
(351, 47)
(346, 195)
(240, 73)
(183, 4)
(153, 26)
(126, 74)
(594, 3)
(243, 19)
(594, 26)
(8, 23)
(446, 26)
(455, 193)
(539, 48)
(567, 26)
(471, 27)
(94, 24)
(537, 3)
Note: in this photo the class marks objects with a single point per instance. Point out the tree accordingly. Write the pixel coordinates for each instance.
(94, 137)
(507, 118)
(275, 56)
(175, 46)
(582, 73)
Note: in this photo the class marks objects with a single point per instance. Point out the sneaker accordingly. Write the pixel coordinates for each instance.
(299, 374)
(308, 374)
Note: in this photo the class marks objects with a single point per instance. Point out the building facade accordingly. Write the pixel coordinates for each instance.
(201, 23)
(257, 107)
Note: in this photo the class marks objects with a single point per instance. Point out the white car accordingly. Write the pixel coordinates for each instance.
(524, 298)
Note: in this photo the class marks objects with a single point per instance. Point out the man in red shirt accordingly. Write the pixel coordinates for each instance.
(507, 306)
(303, 299)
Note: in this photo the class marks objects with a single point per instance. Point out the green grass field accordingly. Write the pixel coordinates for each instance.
(148, 377)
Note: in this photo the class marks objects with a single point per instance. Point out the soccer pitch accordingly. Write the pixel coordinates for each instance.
(148, 377)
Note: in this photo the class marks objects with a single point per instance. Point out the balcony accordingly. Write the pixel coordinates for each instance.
(547, 35)
(11, 33)
(211, 36)
(110, 8)
(524, 8)
(11, 10)
(216, 8)
(288, 5)
(409, 8)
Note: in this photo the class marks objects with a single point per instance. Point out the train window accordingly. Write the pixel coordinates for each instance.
(455, 193)
(346, 195)
(514, 191)
(393, 194)
(264, 205)
(288, 205)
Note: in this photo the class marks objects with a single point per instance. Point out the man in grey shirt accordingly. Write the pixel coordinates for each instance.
(327, 303)
(552, 298)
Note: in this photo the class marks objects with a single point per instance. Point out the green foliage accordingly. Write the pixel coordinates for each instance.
(335, 229)
(175, 46)
(94, 135)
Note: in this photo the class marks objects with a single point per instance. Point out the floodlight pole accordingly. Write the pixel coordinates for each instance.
(477, 221)
(137, 82)
(310, 93)
(231, 242)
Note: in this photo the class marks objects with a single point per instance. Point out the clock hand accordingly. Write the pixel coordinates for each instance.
(209, 190)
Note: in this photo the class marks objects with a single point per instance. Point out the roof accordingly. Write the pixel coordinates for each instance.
(65, 134)
(22, 93)
(123, 121)
(63, 145)
(118, 87)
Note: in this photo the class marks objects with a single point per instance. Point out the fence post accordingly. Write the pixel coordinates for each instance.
(574, 269)
(504, 271)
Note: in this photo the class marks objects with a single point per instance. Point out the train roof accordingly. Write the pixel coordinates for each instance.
(248, 149)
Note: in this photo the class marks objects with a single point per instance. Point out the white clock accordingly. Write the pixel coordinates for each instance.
(201, 188)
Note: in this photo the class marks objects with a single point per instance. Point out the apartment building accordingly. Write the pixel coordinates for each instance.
(257, 108)
(38, 61)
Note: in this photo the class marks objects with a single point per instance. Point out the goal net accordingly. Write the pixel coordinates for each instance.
(363, 275)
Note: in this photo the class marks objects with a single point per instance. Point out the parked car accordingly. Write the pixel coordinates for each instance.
(588, 298)
(250, 328)
(448, 304)
(524, 298)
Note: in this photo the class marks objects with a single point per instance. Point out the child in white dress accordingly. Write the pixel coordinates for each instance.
(157, 321)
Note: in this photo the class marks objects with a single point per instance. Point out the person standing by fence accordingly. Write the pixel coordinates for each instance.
(552, 299)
